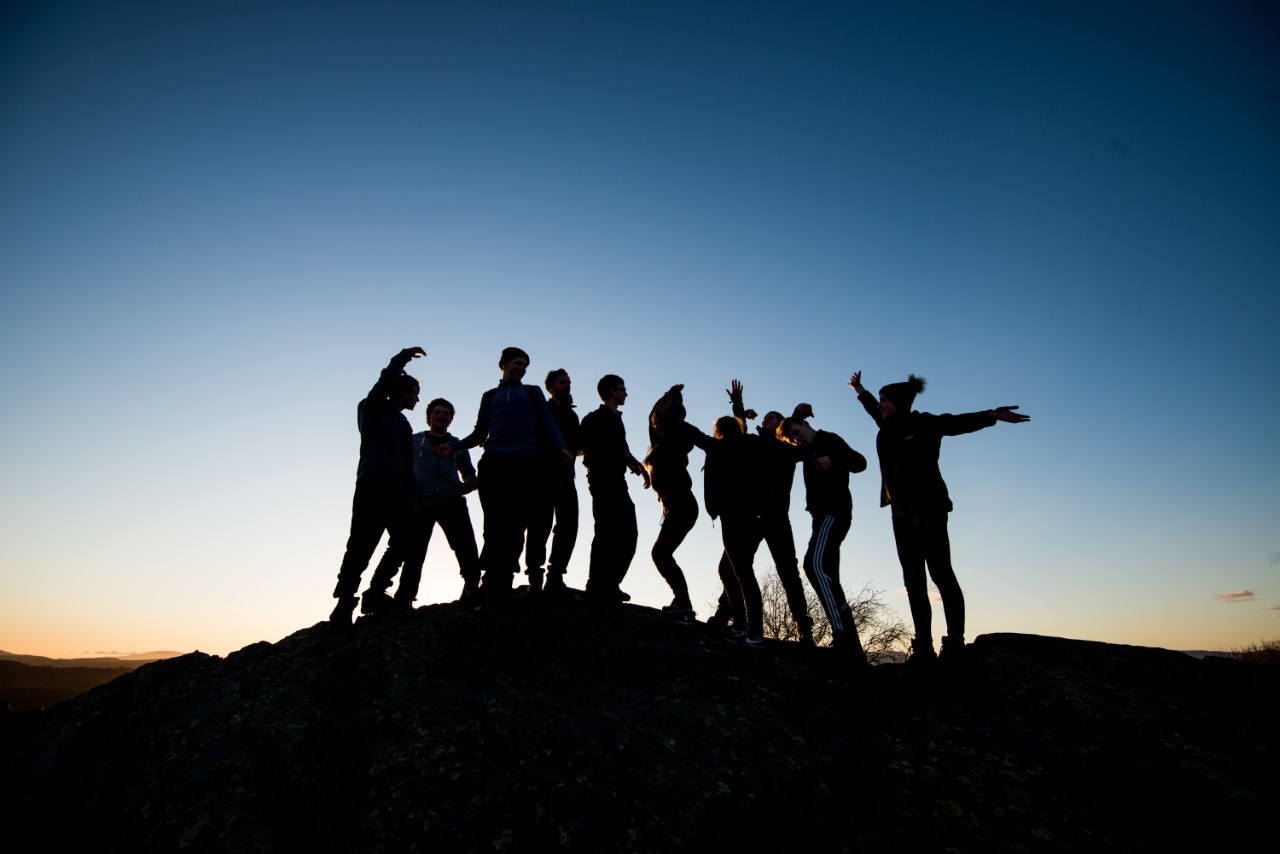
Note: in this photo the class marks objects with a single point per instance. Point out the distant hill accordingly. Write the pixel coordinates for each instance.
(36, 682)
(133, 659)
(559, 726)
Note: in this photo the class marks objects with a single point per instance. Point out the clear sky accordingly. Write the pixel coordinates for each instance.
(219, 220)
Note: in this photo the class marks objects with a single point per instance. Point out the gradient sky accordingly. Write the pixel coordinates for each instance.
(219, 220)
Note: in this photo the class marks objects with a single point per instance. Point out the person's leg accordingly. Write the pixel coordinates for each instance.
(937, 554)
(565, 534)
(540, 515)
(732, 599)
(911, 555)
(679, 512)
(370, 510)
(418, 535)
(782, 546)
(506, 518)
(741, 542)
(824, 572)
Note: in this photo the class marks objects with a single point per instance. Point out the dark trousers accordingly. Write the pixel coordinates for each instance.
(923, 541)
(509, 492)
(679, 512)
(559, 501)
(376, 507)
(822, 567)
(776, 530)
(455, 520)
(614, 543)
(741, 536)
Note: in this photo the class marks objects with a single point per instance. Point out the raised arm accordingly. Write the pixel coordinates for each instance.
(866, 398)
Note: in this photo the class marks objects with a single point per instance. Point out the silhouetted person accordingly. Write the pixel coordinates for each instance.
(738, 490)
(439, 487)
(781, 457)
(384, 477)
(912, 487)
(560, 496)
(607, 459)
(515, 426)
(670, 441)
(828, 463)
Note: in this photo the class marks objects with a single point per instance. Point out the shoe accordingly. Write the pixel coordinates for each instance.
(737, 633)
(343, 611)
(755, 640)
(376, 603)
(554, 584)
(719, 621)
(470, 591)
(679, 613)
(922, 655)
(805, 638)
(535, 579)
(952, 650)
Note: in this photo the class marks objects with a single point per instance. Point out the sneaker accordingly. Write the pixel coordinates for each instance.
(755, 640)
(737, 633)
(679, 613)
(376, 603)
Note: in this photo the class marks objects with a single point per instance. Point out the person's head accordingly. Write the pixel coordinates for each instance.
(897, 398)
(558, 385)
(439, 415)
(796, 431)
(612, 389)
(405, 391)
(513, 363)
(726, 427)
(769, 424)
(673, 414)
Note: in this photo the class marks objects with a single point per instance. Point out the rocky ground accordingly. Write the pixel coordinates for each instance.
(556, 725)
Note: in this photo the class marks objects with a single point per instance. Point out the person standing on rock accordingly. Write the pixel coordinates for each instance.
(828, 462)
(440, 489)
(516, 427)
(607, 458)
(912, 487)
(384, 477)
(560, 497)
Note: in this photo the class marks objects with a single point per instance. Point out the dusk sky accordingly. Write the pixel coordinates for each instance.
(218, 221)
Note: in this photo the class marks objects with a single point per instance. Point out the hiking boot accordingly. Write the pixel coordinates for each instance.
(804, 637)
(952, 650)
(343, 611)
(470, 591)
(922, 655)
(535, 579)
(554, 585)
(376, 602)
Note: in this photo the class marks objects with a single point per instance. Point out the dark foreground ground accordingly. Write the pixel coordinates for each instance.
(565, 727)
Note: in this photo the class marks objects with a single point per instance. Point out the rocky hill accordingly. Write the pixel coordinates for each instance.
(556, 725)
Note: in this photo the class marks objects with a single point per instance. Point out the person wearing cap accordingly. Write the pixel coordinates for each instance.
(912, 487)
(384, 477)
(515, 426)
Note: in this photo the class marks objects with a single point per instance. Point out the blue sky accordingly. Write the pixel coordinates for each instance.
(219, 220)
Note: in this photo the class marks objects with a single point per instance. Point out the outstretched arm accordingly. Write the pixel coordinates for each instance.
(1007, 415)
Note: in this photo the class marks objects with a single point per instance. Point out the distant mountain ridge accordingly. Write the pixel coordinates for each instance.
(133, 659)
(611, 729)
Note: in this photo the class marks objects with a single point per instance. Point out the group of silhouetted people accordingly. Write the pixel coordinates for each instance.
(408, 482)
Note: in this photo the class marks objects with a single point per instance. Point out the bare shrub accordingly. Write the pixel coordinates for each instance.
(881, 630)
(1265, 652)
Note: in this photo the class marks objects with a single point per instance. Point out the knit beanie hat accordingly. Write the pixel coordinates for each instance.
(510, 353)
(903, 395)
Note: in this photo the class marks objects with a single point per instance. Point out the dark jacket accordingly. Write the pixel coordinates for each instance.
(604, 445)
(386, 451)
(827, 492)
(908, 448)
(514, 421)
